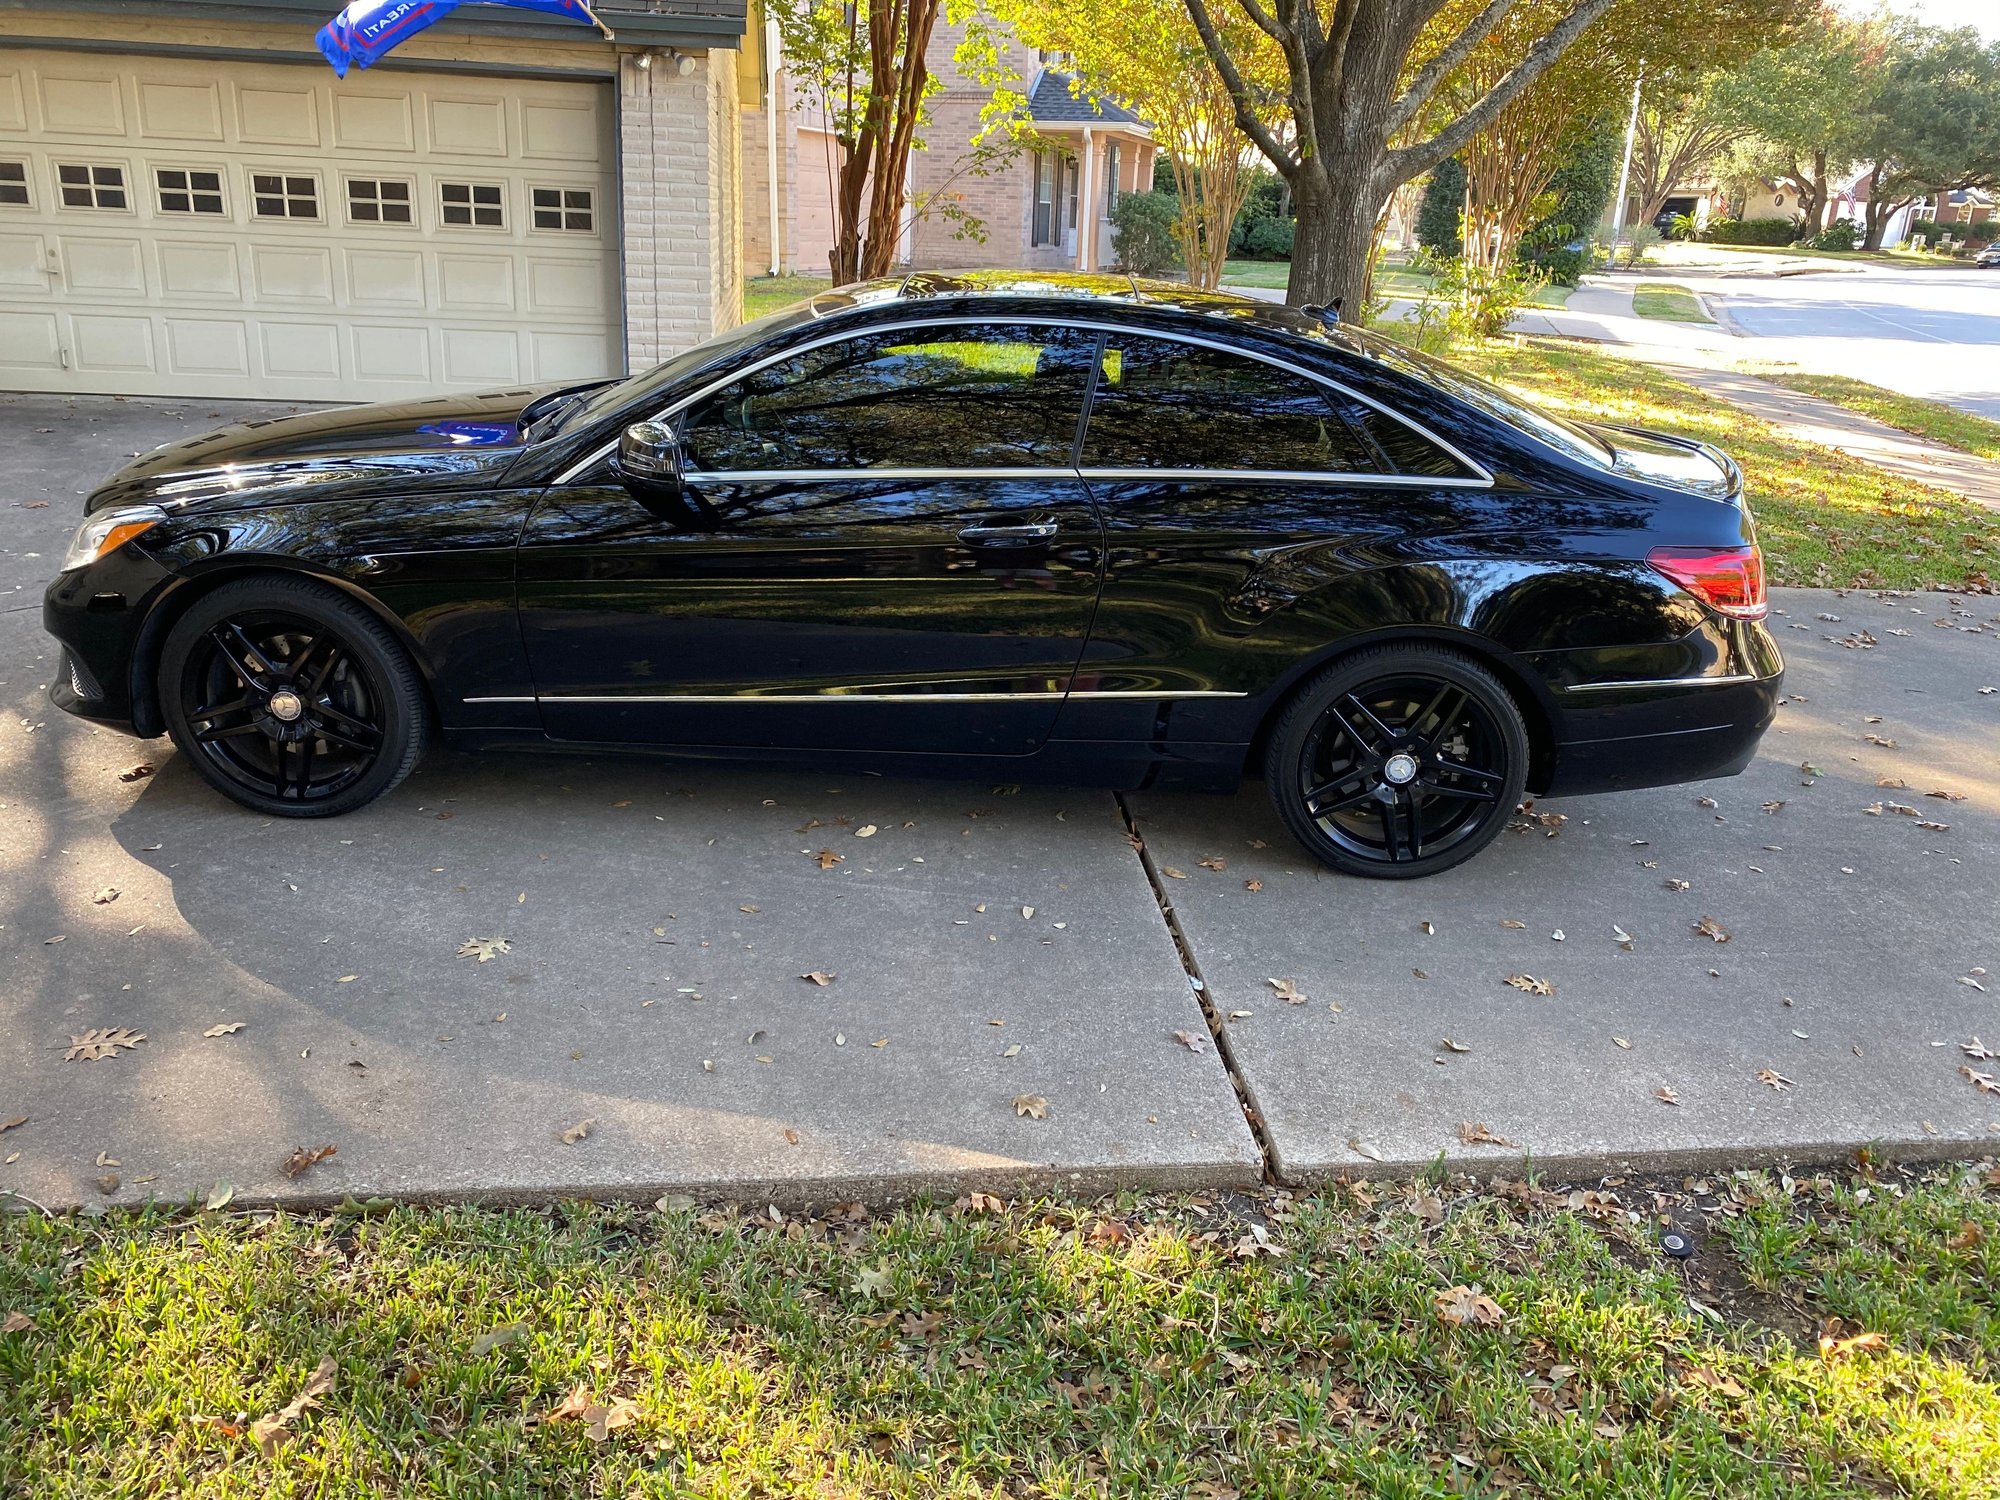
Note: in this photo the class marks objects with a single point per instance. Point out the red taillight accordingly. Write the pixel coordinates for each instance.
(1730, 579)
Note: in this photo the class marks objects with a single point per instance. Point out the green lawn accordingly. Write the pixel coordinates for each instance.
(768, 294)
(1423, 1340)
(1916, 258)
(1668, 300)
(1392, 279)
(1825, 519)
(1931, 419)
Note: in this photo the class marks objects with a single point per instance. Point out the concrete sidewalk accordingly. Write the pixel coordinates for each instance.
(991, 954)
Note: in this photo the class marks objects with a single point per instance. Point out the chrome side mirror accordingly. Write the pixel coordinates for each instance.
(649, 459)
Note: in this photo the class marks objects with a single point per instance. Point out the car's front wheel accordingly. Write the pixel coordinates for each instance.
(291, 698)
(1398, 761)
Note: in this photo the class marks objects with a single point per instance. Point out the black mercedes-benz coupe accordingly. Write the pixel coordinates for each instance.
(1076, 528)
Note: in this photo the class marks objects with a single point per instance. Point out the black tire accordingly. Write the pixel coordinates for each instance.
(291, 698)
(1398, 761)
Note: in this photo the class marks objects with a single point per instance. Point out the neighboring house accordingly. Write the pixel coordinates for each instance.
(1047, 207)
(192, 204)
(1960, 206)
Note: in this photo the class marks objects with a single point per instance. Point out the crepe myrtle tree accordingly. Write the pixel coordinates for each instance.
(861, 67)
(1361, 78)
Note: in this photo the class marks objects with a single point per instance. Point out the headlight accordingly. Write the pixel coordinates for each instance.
(107, 531)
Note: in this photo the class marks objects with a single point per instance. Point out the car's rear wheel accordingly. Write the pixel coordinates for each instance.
(292, 699)
(1398, 761)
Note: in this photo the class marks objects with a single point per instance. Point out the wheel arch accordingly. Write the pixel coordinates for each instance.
(1530, 698)
(190, 588)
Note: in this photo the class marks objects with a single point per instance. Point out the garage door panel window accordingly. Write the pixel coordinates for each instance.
(92, 185)
(572, 210)
(1163, 404)
(379, 200)
(188, 190)
(959, 398)
(14, 184)
(285, 195)
(475, 205)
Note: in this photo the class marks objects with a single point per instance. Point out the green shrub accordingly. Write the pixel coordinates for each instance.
(1438, 228)
(1562, 264)
(1753, 231)
(1142, 232)
(1470, 302)
(1268, 239)
(1683, 227)
(1839, 235)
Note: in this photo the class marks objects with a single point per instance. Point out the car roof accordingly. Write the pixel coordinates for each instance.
(1098, 292)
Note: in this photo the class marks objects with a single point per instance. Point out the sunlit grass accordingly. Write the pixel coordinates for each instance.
(1668, 300)
(1825, 519)
(1935, 420)
(769, 294)
(1139, 1347)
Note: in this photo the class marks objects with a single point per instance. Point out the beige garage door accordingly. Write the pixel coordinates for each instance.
(171, 227)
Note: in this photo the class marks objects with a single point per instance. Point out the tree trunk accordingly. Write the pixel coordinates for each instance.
(1330, 249)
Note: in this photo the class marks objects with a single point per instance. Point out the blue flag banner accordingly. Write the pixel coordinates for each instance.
(367, 29)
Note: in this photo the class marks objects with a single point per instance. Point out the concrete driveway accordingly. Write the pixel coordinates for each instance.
(1005, 1002)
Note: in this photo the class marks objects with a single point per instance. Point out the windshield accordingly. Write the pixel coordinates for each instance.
(611, 397)
(1558, 432)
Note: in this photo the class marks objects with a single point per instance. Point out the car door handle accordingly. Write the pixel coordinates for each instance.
(1030, 531)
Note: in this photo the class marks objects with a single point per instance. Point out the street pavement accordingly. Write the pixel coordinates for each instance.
(651, 1026)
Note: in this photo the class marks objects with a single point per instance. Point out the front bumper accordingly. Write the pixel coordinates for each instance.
(97, 615)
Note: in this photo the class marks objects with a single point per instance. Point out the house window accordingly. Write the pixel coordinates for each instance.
(571, 209)
(378, 200)
(1110, 177)
(14, 182)
(284, 197)
(476, 204)
(91, 187)
(1047, 168)
(183, 190)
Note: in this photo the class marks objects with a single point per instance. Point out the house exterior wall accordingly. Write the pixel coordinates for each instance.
(680, 160)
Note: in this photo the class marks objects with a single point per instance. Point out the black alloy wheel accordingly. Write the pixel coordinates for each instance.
(292, 699)
(1399, 761)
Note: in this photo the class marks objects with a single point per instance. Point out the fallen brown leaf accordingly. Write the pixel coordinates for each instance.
(484, 949)
(828, 859)
(1832, 1345)
(1193, 1043)
(1214, 862)
(1531, 985)
(1467, 1304)
(1986, 1083)
(1774, 1078)
(106, 896)
(138, 773)
(599, 1420)
(272, 1431)
(1666, 1095)
(301, 1158)
(1032, 1106)
(1253, 886)
(6, 1125)
(101, 1042)
(1172, 874)
(819, 977)
(1709, 928)
(226, 1028)
(577, 1132)
(16, 1322)
(1288, 991)
(1477, 1133)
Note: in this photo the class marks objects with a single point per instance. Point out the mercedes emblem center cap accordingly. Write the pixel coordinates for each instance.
(287, 706)
(1399, 769)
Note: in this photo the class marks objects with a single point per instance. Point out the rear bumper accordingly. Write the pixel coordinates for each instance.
(1618, 735)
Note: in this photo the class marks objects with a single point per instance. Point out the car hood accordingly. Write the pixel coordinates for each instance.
(443, 442)
(1675, 462)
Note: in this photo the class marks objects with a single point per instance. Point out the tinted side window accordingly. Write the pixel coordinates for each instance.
(946, 398)
(1408, 451)
(1162, 404)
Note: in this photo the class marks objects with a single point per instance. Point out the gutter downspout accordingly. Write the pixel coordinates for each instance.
(771, 133)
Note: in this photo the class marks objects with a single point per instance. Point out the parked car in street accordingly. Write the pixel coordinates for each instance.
(1076, 527)
(1988, 257)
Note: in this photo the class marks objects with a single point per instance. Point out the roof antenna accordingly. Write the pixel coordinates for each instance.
(1327, 313)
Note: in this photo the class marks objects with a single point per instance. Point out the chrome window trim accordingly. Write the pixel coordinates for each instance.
(838, 697)
(1483, 479)
(1662, 682)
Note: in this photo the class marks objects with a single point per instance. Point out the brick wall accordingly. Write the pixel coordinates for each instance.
(680, 160)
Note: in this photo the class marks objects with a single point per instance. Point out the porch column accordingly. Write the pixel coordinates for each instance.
(1086, 223)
